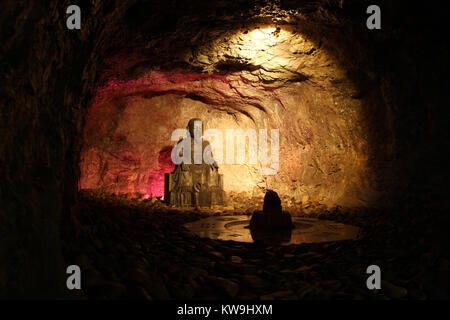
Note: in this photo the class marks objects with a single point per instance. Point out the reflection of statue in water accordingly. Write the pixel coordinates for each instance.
(197, 183)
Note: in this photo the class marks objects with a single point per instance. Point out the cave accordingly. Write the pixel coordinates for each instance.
(348, 125)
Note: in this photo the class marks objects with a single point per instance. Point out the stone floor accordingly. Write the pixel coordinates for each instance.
(139, 249)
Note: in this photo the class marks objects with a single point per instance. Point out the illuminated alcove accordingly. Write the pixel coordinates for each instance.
(265, 76)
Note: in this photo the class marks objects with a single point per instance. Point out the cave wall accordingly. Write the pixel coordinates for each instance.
(244, 77)
(49, 75)
(323, 147)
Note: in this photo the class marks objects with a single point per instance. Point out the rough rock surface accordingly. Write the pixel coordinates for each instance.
(291, 84)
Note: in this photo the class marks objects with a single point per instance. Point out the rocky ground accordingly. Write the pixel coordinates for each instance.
(139, 249)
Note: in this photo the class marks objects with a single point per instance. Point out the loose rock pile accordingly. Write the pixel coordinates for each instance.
(138, 249)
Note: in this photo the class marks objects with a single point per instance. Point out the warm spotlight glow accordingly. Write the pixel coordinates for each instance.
(271, 34)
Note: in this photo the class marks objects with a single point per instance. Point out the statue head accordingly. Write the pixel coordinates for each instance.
(195, 123)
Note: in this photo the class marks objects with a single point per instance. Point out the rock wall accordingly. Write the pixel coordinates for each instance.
(48, 75)
(260, 75)
(323, 146)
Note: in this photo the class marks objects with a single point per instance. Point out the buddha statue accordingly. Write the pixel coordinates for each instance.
(194, 182)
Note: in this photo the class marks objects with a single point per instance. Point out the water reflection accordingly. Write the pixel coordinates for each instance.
(271, 237)
(305, 230)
